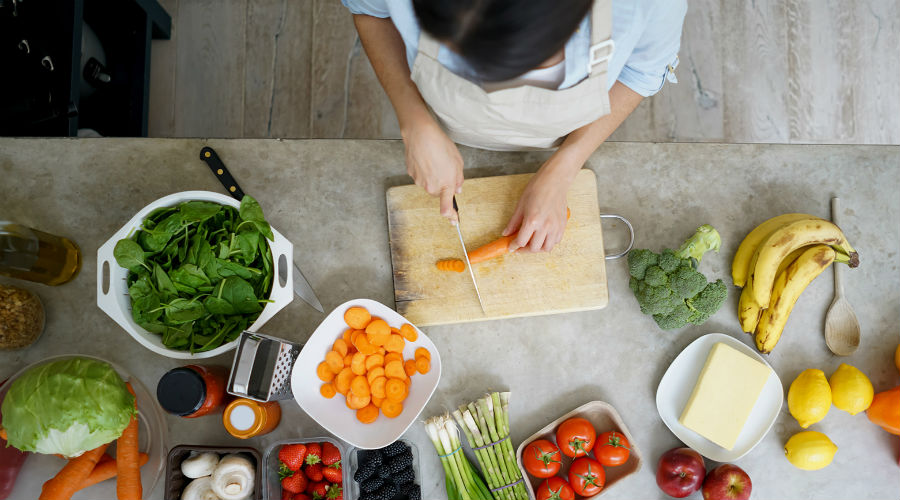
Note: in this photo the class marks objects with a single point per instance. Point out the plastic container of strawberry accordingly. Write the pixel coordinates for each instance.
(358, 456)
(272, 466)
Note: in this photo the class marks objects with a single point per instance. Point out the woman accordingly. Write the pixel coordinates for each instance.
(516, 74)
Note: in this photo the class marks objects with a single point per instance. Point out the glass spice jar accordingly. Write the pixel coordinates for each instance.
(21, 317)
(245, 418)
(192, 391)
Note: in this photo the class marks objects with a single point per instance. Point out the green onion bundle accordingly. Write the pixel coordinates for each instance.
(486, 425)
(461, 479)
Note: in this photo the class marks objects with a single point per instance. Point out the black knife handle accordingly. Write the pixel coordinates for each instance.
(212, 159)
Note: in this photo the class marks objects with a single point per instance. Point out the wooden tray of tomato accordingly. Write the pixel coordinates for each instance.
(582, 454)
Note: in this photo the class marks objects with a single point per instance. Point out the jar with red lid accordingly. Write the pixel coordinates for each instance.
(192, 391)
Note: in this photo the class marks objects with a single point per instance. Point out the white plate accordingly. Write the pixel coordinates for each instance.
(678, 382)
(333, 414)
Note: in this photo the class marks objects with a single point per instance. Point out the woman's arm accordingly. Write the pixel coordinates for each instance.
(540, 216)
(432, 159)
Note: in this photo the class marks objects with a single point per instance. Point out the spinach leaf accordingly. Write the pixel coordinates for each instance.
(178, 337)
(163, 283)
(251, 212)
(247, 241)
(228, 268)
(216, 305)
(197, 211)
(190, 275)
(240, 295)
(129, 254)
(184, 311)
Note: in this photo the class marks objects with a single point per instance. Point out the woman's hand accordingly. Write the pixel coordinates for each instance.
(434, 162)
(540, 216)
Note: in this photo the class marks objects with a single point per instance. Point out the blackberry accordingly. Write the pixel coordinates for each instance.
(365, 471)
(375, 456)
(371, 485)
(384, 472)
(400, 463)
(411, 491)
(387, 492)
(404, 477)
(395, 448)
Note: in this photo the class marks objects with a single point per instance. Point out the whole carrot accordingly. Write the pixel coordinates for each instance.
(106, 469)
(128, 482)
(65, 483)
(498, 247)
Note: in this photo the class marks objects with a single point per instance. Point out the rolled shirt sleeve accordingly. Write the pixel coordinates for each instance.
(656, 52)
(375, 8)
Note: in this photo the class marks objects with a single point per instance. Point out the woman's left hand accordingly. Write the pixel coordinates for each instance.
(540, 216)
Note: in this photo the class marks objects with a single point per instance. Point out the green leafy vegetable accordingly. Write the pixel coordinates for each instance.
(200, 272)
(66, 407)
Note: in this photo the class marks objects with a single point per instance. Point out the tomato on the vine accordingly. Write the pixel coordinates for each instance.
(586, 476)
(541, 458)
(555, 488)
(576, 437)
(612, 449)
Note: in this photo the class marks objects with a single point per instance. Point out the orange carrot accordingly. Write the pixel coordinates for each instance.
(395, 390)
(423, 365)
(410, 367)
(367, 414)
(66, 482)
(391, 409)
(498, 247)
(454, 265)
(357, 317)
(328, 390)
(408, 332)
(128, 482)
(107, 468)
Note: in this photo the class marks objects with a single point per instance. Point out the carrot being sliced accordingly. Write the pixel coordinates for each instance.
(409, 332)
(421, 351)
(374, 373)
(357, 317)
(65, 483)
(128, 481)
(328, 390)
(378, 387)
(323, 371)
(395, 389)
(498, 247)
(367, 414)
(423, 365)
(409, 366)
(391, 409)
(106, 468)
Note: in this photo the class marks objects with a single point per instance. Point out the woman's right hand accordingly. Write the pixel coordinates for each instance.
(434, 162)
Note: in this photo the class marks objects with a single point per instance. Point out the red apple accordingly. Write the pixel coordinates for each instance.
(727, 482)
(680, 472)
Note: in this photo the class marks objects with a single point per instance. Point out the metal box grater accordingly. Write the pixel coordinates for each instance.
(262, 366)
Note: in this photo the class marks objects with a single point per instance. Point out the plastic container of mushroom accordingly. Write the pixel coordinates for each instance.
(176, 481)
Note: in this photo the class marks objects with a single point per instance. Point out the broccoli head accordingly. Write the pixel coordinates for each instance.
(669, 287)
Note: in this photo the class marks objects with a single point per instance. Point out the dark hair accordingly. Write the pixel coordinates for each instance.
(502, 39)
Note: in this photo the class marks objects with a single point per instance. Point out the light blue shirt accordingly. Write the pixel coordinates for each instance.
(647, 34)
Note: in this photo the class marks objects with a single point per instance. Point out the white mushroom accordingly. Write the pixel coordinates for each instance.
(199, 489)
(233, 478)
(202, 464)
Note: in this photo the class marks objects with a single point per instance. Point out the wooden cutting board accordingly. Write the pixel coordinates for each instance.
(570, 278)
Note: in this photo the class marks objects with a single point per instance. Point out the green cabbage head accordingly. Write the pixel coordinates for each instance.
(67, 407)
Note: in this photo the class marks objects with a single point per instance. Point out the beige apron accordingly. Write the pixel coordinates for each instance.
(518, 118)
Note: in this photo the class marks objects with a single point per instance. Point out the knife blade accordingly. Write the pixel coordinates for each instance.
(301, 285)
(466, 255)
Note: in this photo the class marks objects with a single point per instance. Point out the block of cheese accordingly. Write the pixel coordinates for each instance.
(724, 395)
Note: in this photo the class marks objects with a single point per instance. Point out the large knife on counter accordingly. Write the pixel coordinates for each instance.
(301, 285)
(466, 255)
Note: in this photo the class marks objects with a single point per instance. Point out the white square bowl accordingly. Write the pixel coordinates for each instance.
(678, 382)
(333, 414)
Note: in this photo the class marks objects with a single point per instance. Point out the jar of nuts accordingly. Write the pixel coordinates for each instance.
(21, 317)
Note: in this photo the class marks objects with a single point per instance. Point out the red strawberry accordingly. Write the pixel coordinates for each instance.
(295, 483)
(313, 453)
(333, 474)
(313, 472)
(302, 496)
(319, 490)
(330, 454)
(286, 495)
(335, 492)
(293, 455)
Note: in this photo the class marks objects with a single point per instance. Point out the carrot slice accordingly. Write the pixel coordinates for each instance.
(395, 330)
(348, 359)
(347, 402)
(421, 351)
(395, 343)
(340, 347)
(359, 386)
(377, 401)
(378, 332)
(391, 409)
(335, 361)
(357, 317)
(409, 332)
(323, 371)
(374, 373)
(409, 366)
(395, 389)
(423, 365)
(358, 364)
(408, 382)
(393, 356)
(374, 360)
(454, 265)
(367, 414)
(395, 369)
(362, 344)
(347, 335)
(378, 387)
(356, 402)
(342, 381)
(382, 351)
(328, 390)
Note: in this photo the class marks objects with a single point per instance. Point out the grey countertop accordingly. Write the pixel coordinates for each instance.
(327, 197)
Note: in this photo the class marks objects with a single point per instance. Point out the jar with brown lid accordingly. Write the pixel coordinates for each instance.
(21, 317)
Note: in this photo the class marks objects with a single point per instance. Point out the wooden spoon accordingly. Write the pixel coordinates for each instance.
(841, 325)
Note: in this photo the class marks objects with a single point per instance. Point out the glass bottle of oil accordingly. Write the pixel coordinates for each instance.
(34, 255)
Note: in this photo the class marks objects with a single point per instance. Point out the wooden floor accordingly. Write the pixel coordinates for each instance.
(788, 71)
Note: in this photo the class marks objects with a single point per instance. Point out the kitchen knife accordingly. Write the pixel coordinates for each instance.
(301, 285)
(466, 255)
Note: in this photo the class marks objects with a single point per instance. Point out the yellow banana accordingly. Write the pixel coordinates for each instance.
(740, 265)
(788, 287)
(771, 252)
(748, 310)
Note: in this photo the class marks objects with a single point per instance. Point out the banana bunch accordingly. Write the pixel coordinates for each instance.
(776, 262)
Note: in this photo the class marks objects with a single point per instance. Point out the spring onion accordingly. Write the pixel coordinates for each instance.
(461, 480)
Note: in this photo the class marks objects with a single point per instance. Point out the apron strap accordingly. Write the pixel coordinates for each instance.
(428, 45)
(602, 45)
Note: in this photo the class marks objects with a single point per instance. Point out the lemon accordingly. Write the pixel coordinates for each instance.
(809, 397)
(851, 390)
(809, 450)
